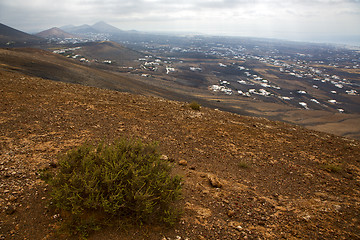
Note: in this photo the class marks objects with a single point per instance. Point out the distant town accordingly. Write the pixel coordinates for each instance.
(239, 68)
(296, 74)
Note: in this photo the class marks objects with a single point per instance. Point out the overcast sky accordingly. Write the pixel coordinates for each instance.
(312, 20)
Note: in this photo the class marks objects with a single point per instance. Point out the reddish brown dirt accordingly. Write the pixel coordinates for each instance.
(273, 175)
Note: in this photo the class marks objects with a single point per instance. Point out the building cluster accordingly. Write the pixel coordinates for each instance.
(235, 67)
(71, 53)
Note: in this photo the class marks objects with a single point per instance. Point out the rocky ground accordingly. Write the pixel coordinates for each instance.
(244, 178)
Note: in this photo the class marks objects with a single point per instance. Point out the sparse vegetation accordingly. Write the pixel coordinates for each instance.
(285, 166)
(195, 106)
(332, 168)
(243, 164)
(126, 179)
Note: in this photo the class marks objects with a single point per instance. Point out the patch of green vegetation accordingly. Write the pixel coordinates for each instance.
(332, 168)
(243, 164)
(105, 183)
(195, 106)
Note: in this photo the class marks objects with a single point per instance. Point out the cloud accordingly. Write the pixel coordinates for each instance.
(249, 17)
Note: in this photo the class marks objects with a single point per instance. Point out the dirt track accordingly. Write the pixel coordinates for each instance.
(274, 176)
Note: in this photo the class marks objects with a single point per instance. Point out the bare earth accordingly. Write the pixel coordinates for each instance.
(273, 176)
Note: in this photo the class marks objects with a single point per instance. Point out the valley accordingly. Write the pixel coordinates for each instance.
(313, 85)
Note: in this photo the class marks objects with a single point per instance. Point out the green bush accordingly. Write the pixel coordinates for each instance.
(194, 106)
(124, 180)
(243, 164)
(332, 168)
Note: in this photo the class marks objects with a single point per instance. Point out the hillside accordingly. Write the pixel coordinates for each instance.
(109, 51)
(55, 67)
(85, 28)
(10, 37)
(55, 33)
(105, 28)
(170, 86)
(99, 27)
(319, 96)
(51, 66)
(278, 180)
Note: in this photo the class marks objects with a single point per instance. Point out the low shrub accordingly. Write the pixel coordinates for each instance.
(123, 180)
(194, 106)
(332, 168)
(243, 164)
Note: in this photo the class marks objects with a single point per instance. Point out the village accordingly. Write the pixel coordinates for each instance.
(71, 53)
(232, 64)
(320, 80)
(81, 38)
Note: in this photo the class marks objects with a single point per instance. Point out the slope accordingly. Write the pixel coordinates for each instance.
(83, 29)
(103, 27)
(55, 33)
(55, 67)
(109, 51)
(51, 66)
(47, 65)
(11, 36)
(277, 180)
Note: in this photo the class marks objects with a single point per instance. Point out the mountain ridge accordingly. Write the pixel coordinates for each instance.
(81, 29)
(10, 36)
(106, 28)
(99, 27)
(55, 33)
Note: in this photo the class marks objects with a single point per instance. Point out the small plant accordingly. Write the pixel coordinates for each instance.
(243, 164)
(194, 106)
(124, 180)
(332, 168)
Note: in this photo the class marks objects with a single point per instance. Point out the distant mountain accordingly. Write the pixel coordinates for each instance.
(99, 27)
(83, 29)
(106, 28)
(55, 33)
(104, 31)
(67, 28)
(10, 36)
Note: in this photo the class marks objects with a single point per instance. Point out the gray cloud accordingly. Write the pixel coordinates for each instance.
(232, 17)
